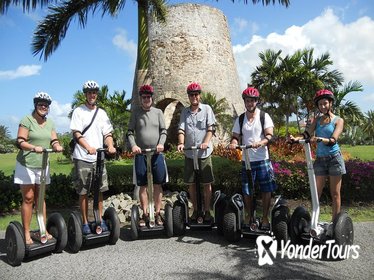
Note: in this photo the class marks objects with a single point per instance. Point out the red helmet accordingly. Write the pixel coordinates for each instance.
(194, 87)
(250, 92)
(321, 94)
(146, 89)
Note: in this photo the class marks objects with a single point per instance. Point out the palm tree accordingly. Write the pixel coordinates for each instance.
(368, 127)
(219, 107)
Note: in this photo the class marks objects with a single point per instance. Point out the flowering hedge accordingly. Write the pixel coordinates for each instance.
(292, 176)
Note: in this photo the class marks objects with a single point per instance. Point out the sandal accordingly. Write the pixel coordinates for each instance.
(144, 220)
(29, 241)
(265, 227)
(158, 219)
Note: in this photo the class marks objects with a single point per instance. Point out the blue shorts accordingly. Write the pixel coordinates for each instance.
(263, 172)
(332, 165)
(158, 169)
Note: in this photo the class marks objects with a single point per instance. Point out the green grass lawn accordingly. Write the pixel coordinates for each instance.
(364, 152)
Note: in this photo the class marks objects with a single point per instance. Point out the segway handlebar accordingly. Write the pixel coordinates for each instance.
(45, 150)
(243, 147)
(304, 141)
(148, 150)
(192, 148)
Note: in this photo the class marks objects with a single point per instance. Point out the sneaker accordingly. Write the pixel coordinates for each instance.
(103, 225)
(207, 216)
(330, 230)
(158, 219)
(194, 215)
(86, 229)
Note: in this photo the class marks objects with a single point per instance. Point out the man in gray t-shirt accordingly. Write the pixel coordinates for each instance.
(147, 130)
(196, 128)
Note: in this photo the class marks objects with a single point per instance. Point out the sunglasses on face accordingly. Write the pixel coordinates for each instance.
(42, 105)
(193, 94)
(146, 96)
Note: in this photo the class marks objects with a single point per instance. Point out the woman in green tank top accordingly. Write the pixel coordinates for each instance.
(35, 133)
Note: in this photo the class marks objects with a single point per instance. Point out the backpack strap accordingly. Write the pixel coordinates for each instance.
(241, 121)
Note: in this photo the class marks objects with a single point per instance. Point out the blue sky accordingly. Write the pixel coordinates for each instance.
(105, 50)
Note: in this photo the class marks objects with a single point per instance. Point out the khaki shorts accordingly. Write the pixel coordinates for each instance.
(206, 170)
(83, 176)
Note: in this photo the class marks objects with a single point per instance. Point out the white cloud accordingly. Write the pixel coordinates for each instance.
(59, 114)
(350, 46)
(128, 46)
(20, 72)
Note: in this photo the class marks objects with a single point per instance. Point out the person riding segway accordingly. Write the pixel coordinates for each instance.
(92, 130)
(147, 135)
(196, 129)
(254, 129)
(329, 163)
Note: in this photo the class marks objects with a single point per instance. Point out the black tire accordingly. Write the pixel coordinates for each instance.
(300, 220)
(169, 220)
(343, 229)
(75, 235)
(56, 226)
(280, 218)
(134, 222)
(179, 218)
(15, 243)
(231, 225)
(219, 212)
(111, 219)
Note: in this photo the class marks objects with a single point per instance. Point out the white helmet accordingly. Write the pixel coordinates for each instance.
(90, 86)
(42, 96)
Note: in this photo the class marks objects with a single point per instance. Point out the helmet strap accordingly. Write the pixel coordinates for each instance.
(252, 111)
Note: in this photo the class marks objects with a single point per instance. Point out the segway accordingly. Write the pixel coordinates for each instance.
(302, 227)
(233, 219)
(17, 249)
(150, 227)
(76, 238)
(181, 217)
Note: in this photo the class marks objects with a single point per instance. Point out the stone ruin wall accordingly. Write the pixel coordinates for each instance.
(193, 45)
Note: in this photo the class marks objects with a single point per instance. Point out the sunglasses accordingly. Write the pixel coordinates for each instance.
(193, 94)
(42, 105)
(146, 96)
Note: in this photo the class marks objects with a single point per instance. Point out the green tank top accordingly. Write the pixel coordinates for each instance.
(38, 136)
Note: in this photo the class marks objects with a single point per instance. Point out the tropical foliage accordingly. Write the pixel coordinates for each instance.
(116, 106)
(220, 108)
(6, 145)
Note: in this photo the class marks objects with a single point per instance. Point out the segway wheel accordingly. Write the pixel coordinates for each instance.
(134, 222)
(169, 220)
(299, 222)
(15, 243)
(219, 212)
(179, 219)
(231, 225)
(280, 218)
(75, 236)
(57, 227)
(343, 229)
(112, 220)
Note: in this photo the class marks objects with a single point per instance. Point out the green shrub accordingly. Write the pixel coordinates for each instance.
(10, 194)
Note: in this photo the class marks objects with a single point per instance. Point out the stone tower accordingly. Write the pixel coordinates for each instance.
(193, 45)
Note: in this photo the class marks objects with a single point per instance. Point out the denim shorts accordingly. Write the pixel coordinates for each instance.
(158, 169)
(206, 170)
(263, 172)
(332, 165)
(83, 177)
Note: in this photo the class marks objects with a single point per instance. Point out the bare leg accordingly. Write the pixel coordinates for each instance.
(28, 192)
(143, 196)
(192, 192)
(266, 198)
(83, 204)
(207, 196)
(335, 185)
(157, 196)
(101, 204)
(248, 201)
